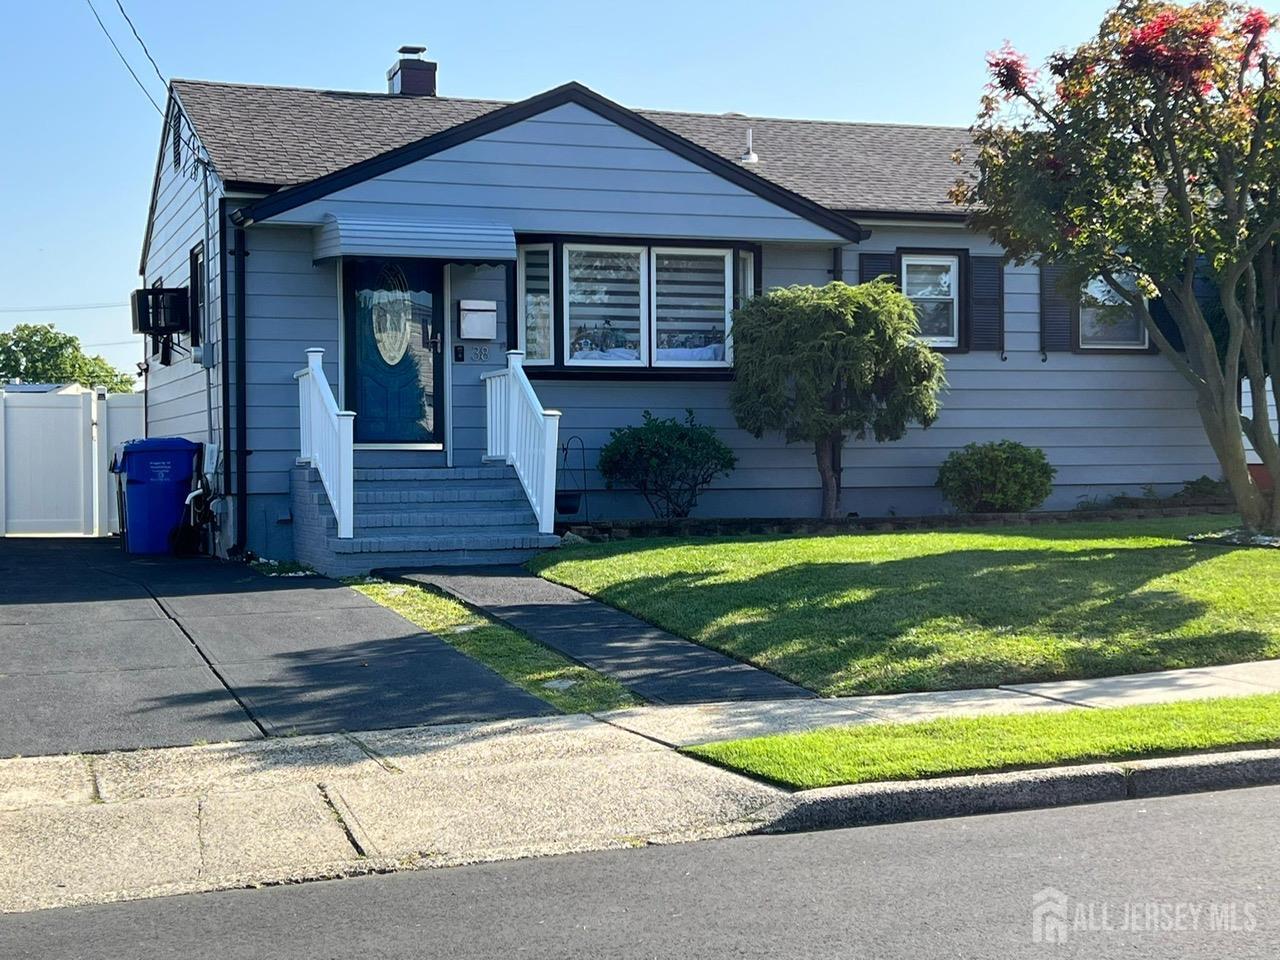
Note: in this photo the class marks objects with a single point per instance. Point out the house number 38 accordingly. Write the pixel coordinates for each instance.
(479, 353)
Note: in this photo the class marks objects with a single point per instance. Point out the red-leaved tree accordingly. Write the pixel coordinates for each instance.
(1148, 156)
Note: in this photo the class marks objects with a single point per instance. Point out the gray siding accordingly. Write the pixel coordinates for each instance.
(182, 397)
(568, 171)
(1108, 423)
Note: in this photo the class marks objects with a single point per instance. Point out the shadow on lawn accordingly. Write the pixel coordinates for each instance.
(965, 618)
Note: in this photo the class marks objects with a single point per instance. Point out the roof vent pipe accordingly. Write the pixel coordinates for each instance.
(750, 155)
(411, 76)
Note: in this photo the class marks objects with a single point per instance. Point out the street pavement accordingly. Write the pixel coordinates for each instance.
(1186, 877)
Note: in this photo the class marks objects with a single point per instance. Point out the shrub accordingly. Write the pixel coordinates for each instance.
(1001, 477)
(669, 461)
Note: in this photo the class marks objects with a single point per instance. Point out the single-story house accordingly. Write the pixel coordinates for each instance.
(417, 240)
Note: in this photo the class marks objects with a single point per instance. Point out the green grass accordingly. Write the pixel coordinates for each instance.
(935, 748)
(527, 664)
(891, 612)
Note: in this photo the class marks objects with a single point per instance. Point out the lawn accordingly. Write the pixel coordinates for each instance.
(908, 751)
(572, 687)
(891, 612)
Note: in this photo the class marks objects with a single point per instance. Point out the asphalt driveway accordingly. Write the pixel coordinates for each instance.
(99, 651)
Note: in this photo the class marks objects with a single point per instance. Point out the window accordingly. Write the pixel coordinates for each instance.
(692, 302)
(1107, 320)
(630, 306)
(537, 294)
(197, 294)
(745, 279)
(605, 305)
(932, 283)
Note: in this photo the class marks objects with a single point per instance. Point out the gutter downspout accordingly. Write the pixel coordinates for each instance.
(224, 346)
(206, 360)
(242, 454)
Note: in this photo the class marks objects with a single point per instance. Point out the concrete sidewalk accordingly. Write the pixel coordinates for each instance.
(688, 724)
(118, 826)
(126, 825)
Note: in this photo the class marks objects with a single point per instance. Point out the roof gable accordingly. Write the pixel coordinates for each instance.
(508, 116)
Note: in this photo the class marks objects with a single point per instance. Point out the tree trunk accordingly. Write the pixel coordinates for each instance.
(827, 451)
(1222, 426)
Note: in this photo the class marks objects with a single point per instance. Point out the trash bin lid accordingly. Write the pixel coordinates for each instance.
(158, 444)
(130, 448)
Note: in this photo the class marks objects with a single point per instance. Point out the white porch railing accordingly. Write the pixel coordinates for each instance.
(524, 435)
(327, 443)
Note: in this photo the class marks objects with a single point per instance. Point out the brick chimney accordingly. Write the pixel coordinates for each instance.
(412, 76)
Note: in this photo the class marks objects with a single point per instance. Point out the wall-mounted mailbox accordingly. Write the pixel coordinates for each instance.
(477, 320)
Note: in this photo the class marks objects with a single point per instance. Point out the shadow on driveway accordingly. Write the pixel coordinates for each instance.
(100, 651)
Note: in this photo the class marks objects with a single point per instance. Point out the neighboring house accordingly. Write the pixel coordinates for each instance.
(386, 228)
(60, 388)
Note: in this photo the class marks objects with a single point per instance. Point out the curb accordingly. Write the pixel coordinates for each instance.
(870, 804)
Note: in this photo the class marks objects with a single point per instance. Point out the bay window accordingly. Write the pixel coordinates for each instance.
(692, 302)
(932, 284)
(608, 305)
(1107, 320)
(537, 294)
(605, 305)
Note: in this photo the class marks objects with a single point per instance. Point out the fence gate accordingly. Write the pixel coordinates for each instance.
(55, 451)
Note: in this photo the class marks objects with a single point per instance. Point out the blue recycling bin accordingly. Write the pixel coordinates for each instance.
(156, 478)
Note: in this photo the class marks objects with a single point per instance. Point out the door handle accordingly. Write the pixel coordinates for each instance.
(436, 343)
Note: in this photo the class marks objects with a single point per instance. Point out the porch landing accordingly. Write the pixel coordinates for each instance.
(659, 666)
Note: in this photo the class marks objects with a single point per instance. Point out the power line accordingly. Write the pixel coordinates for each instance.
(190, 143)
(111, 40)
(55, 308)
(155, 66)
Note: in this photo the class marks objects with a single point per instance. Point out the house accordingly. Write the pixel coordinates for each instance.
(417, 239)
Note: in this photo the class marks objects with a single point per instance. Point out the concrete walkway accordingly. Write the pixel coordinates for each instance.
(660, 666)
(703, 723)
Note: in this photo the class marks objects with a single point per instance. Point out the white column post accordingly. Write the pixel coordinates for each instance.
(346, 475)
(306, 385)
(550, 452)
(515, 360)
(88, 484)
(101, 462)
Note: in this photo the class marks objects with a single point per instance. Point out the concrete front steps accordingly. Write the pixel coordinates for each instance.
(417, 516)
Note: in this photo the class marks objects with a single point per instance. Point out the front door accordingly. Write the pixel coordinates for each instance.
(395, 350)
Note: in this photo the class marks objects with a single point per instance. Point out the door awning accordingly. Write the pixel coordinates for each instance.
(458, 240)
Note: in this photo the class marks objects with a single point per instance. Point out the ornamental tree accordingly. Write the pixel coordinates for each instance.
(822, 364)
(1151, 153)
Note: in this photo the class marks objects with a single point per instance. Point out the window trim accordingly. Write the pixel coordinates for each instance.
(727, 254)
(521, 339)
(954, 260)
(199, 293)
(644, 313)
(1077, 332)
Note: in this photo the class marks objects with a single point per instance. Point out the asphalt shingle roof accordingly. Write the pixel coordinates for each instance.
(282, 136)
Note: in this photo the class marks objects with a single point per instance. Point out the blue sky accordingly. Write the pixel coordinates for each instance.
(80, 139)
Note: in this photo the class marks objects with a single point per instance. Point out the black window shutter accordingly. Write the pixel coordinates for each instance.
(986, 312)
(872, 265)
(1165, 323)
(1055, 310)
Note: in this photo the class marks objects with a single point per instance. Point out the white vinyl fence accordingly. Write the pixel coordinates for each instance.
(55, 454)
